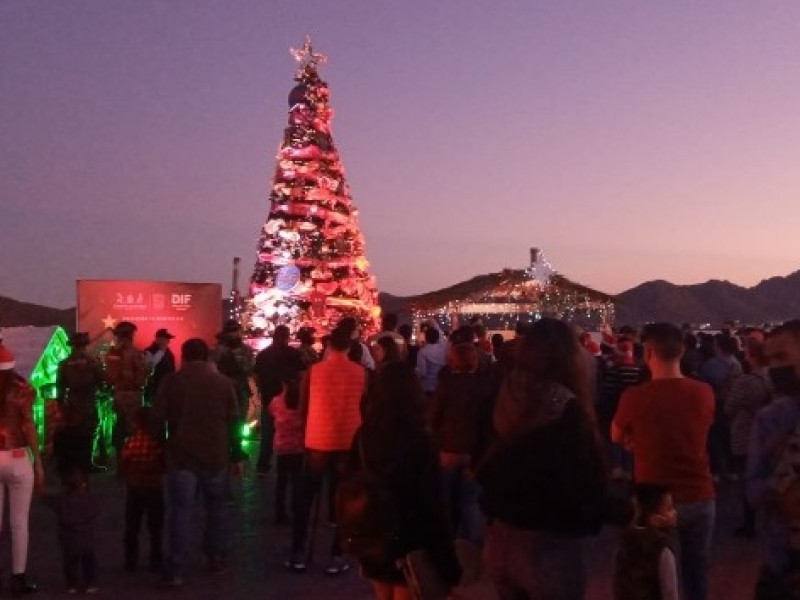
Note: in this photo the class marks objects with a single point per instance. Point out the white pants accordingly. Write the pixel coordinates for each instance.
(16, 475)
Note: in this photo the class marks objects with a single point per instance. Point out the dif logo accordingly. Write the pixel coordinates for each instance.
(181, 301)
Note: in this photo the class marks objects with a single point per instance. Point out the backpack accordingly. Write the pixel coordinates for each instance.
(367, 516)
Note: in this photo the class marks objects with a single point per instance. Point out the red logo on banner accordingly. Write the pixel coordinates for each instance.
(186, 310)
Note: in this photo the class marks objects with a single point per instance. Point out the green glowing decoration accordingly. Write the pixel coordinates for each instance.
(44, 374)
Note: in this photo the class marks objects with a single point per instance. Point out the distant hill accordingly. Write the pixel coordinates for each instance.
(775, 299)
(772, 300)
(14, 313)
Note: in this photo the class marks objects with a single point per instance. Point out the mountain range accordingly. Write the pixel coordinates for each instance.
(773, 300)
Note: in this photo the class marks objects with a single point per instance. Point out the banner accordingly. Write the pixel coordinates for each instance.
(186, 310)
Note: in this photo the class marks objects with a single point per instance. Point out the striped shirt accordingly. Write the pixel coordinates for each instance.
(748, 394)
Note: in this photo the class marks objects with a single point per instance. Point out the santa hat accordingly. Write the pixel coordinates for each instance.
(6, 359)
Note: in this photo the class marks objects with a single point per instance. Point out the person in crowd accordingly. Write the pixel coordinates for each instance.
(621, 372)
(544, 479)
(666, 422)
(645, 563)
(411, 348)
(331, 400)
(196, 414)
(720, 372)
(20, 464)
(497, 342)
(705, 348)
(160, 361)
(307, 352)
(755, 333)
(466, 335)
(728, 328)
(430, 359)
(143, 470)
(393, 445)
(77, 512)
(234, 359)
(482, 338)
(351, 327)
(288, 446)
(356, 355)
(389, 329)
(510, 347)
(79, 378)
(459, 421)
(385, 351)
(691, 362)
(276, 365)
(773, 446)
(588, 342)
(592, 361)
(748, 394)
(126, 370)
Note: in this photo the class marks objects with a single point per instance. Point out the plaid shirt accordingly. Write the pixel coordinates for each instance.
(142, 460)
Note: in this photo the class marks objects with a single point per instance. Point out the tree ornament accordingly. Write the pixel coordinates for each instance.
(298, 95)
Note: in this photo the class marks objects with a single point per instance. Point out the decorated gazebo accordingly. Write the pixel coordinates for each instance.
(502, 299)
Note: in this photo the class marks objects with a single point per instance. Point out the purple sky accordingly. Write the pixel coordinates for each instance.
(629, 140)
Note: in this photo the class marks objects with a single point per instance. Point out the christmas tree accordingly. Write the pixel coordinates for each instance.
(311, 269)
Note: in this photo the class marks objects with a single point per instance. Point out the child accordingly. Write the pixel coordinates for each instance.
(288, 446)
(143, 467)
(76, 510)
(645, 564)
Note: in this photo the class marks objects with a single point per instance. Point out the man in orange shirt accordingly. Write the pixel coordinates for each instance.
(331, 400)
(665, 422)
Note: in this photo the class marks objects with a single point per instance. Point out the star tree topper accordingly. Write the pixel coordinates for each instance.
(306, 57)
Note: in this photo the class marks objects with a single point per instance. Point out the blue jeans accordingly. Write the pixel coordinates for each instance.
(695, 527)
(267, 438)
(182, 488)
(461, 495)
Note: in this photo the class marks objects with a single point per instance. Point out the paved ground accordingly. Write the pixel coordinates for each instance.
(261, 547)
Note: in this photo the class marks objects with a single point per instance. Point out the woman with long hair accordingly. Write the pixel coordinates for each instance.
(544, 478)
(393, 446)
(20, 464)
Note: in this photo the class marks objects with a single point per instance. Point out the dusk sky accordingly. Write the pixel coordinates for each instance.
(629, 140)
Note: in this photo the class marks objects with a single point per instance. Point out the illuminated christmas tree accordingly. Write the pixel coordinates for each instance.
(311, 269)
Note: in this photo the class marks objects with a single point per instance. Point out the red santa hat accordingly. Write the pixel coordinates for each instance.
(6, 359)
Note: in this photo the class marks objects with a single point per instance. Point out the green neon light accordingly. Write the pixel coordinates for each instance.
(44, 374)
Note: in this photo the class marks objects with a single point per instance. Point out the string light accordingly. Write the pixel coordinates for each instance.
(518, 295)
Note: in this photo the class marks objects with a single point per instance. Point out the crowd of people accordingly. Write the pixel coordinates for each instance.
(425, 450)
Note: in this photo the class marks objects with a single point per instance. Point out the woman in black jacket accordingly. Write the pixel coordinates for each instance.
(544, 478)
(394, 449)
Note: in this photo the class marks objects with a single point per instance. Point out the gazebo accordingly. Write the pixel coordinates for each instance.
(502, 299)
